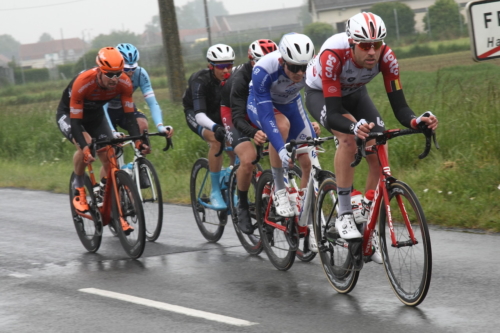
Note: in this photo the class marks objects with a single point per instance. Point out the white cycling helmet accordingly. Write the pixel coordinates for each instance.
(220, 52)
(296, 48)
(260, 48)
(366, 27)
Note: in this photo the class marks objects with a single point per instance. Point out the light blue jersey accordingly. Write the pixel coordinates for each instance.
(141, 79)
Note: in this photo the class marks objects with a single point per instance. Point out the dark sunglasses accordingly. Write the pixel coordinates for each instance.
(296, 68)
(222, 66)
(112, 75)
(367, 46)
(129, 69)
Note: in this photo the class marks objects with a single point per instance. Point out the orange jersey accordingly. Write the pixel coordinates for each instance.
(84, 94)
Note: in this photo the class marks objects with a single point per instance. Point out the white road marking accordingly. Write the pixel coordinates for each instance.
(169, 307)
(19, 275)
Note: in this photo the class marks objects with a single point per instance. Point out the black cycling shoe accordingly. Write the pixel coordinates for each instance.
(244, 221)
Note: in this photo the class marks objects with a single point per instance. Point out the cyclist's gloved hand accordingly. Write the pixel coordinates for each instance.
(285, 158)
(361, 129)
(117, 135)
(87, 155)
(426, 120)
(168, 130)
(143, 148)
(219, 132)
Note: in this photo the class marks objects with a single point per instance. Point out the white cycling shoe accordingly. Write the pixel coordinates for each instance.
(377, 255)
(313, 245)
(346, 227)
(282, 203)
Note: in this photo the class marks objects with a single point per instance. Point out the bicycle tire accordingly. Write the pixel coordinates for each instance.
(274, 241)
(303, 252)
(89, 231)
(335, 259)
(152, 199)
(131, 206)
(408, 268)
(251, 243)
(210, 222)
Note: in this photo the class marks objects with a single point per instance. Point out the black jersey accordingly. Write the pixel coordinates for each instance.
(235, 94)
(203, 94)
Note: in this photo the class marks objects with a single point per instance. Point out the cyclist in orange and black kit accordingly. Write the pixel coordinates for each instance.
(80, 114)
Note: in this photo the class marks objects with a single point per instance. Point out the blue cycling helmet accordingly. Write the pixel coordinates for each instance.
(129, 52)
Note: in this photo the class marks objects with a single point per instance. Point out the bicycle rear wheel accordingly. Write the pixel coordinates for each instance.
(210, 222)
(251, 243)
(152, 200)
(408, 266)
(335, 258)
(275, 243)
(131, 207)
(89, 230)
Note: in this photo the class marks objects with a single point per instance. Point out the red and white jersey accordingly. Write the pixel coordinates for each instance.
(334, 71)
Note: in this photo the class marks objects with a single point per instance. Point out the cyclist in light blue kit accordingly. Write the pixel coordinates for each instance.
(140, 78)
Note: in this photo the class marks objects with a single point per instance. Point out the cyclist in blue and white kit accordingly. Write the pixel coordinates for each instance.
(140, 78)
(275, 106)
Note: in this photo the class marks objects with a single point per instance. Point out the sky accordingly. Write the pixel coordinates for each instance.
(27, 20)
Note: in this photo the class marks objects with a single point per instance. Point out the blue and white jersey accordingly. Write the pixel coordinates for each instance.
(141, 79)
(271, 89)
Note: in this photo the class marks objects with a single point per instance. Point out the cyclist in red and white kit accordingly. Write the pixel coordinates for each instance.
(337, 97)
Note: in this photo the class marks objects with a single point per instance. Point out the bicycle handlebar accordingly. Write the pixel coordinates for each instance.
(382, 137)
(261, 152)
(144, 137)
(291, 147)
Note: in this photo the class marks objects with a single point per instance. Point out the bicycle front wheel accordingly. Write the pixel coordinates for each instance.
(251, 243)
(335, 258)
(152, 200)
(274, 240)
(210, 222)
(408, 263)
(89, 230)
(133, 240)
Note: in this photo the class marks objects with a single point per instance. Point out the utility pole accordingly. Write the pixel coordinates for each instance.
(207, 20)
(173, 51)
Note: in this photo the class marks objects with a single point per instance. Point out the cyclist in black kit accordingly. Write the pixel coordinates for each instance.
(201, 103)
(233, 110)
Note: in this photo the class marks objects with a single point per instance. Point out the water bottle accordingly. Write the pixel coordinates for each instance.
(128, 168)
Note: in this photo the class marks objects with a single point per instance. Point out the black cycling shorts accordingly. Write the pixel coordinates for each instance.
(358, 104)
(98, 127)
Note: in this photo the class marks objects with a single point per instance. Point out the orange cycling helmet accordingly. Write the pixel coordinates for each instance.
(109, 59)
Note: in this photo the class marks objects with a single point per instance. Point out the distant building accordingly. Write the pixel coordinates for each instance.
(337, 12)
(52, 53)
(277, 21)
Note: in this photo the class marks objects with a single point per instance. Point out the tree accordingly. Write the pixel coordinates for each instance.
(445, 19)
(9, 47)
(45, 37)
(318, 32)
(153, 31)
(115, 38)
(404, 14)
(192, 14)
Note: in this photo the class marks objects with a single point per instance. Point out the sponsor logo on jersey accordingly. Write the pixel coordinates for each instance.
(330, 62)
(332, 90)
(392, 61)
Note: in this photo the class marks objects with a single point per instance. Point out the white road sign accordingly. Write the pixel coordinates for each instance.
(484, 28)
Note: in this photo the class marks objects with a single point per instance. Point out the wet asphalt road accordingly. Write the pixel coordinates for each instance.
(49, 283)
